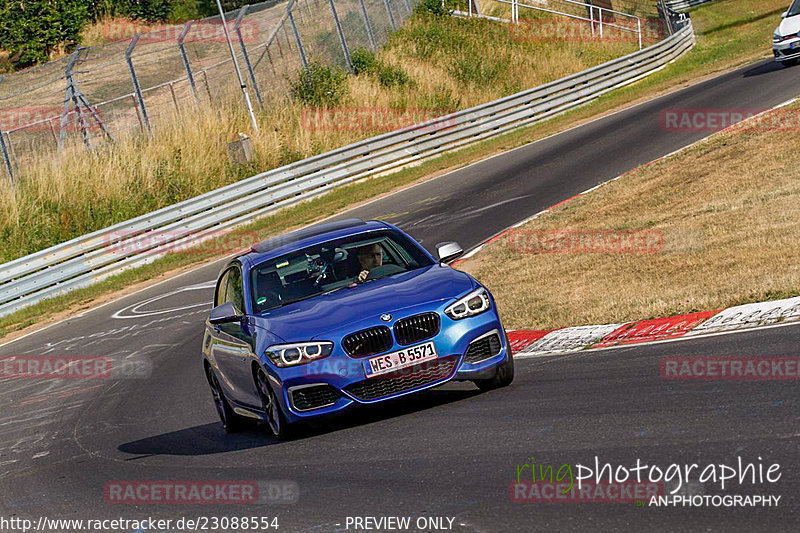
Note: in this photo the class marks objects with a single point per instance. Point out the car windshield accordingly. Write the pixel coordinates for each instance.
(331, 266)
(794, 9)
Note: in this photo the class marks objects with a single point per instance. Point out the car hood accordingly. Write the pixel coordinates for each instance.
(354, 308)
(789, 25)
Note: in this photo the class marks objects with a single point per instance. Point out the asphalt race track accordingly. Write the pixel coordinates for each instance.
(450, 452)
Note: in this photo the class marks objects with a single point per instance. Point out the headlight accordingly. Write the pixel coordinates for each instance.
(472, 304)
(299, 353)
(777, 37)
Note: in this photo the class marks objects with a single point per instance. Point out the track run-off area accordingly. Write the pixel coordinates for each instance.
(448, 454)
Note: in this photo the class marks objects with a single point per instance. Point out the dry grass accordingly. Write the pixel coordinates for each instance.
(452, 63)
(741, 214)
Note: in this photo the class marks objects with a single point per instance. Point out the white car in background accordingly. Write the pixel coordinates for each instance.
(785, 40)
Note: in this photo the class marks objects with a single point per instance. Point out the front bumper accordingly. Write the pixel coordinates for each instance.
(332, 384)
(785, 50)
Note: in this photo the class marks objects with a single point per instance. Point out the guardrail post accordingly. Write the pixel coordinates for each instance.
(600, 9)
(299, 41)
(136, 87)
(185, 58)
(237, 27)
(370, 35)
(639, 26)
(389, 11)
(341, 36)
(6, 158)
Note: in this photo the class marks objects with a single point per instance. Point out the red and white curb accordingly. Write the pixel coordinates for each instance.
(532, 343)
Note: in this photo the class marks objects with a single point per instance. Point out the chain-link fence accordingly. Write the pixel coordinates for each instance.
(142, 80)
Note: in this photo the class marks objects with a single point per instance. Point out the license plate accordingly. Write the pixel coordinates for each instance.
(794, 45)
(406, 357)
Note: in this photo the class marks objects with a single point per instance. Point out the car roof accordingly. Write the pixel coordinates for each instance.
(310, 236)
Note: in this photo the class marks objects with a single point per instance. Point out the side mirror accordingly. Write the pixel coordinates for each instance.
(448, 251)
(783, 15)
(224, 314)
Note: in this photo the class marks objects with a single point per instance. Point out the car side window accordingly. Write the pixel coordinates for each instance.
(219, 296)
(235, 291)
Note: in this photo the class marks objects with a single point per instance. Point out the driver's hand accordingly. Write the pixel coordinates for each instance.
(362, 276)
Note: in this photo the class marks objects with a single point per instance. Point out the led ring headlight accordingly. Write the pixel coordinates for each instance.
(299, 353)
(472, 304)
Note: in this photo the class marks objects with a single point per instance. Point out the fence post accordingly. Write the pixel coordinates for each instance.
(136, 87)
(389, 11)
(297, 36)
(237, 27)
(6, 158)
(70, 95)
(368, 25)
(185, 58)
(341, 36)
(667, 19)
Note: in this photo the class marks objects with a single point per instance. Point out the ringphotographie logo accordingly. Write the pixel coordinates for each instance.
(586, 241)
(200, 31)
(380, 119)
(46, 118)
(676, 484)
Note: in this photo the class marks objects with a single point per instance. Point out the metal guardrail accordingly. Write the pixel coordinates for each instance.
(682, 5)
(87, 259)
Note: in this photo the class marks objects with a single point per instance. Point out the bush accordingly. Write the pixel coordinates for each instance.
(31, 30)
(437, 8)
(319, 86)
(365, 62)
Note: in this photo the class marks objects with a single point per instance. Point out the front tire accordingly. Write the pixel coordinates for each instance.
(276, 424)
(231, 422)
(504, 375)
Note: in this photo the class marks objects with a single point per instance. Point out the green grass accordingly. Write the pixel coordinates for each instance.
(730, 33)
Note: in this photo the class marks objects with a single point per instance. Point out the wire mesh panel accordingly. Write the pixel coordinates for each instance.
(148, 77)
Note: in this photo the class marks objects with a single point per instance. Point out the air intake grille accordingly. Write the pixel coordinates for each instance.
(368, 341)
(482, 349)
(403, 380)
(416, 328)
(307, 398)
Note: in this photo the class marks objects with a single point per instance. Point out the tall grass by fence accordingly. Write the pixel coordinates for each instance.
(142, 80)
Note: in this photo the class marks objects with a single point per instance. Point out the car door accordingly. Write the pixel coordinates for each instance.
(233, 343)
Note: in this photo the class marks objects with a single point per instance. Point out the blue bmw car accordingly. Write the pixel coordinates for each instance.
(342, 313)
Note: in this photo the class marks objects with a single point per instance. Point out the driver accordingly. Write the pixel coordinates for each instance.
(369, 257)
